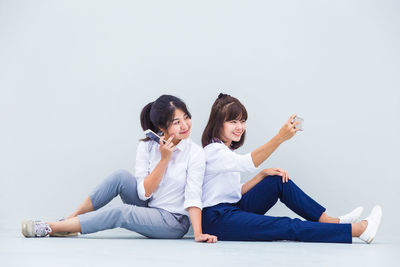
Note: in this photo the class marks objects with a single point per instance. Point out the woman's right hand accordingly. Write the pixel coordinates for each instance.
(288, 130)
(166, 148)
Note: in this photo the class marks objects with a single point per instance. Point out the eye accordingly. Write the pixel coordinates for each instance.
(176, 122)
(234, 122)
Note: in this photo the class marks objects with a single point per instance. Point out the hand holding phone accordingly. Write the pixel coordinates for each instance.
(300, 125)
(288, 130)
(153, 136)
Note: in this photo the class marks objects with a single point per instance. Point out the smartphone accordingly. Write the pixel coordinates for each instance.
(300, 125)
(152, 135)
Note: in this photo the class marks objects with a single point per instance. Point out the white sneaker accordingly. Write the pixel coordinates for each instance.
(351, 216)
(30, 228)
(374, 219)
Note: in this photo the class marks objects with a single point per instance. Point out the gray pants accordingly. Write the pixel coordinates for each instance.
(134, 214)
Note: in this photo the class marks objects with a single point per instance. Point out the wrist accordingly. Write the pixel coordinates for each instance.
(278, 139)
(197, 233)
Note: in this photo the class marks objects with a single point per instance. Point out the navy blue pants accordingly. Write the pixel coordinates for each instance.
(245, 220)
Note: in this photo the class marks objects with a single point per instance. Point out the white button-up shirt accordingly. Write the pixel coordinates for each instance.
(222, 176)
(181, 184)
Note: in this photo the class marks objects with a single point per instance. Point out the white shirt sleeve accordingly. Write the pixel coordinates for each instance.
(142, 167)
(194, 179)
(221, 159)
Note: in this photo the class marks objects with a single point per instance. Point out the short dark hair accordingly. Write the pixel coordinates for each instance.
(159, 114)
(225, 108)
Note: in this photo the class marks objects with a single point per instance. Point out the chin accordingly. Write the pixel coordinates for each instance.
(236, 139)
(184, 136)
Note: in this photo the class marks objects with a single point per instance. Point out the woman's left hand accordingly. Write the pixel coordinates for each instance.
(206, 238)
(277, 171)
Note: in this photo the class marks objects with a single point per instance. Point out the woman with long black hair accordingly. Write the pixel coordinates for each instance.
(165, 190)
(235, 211)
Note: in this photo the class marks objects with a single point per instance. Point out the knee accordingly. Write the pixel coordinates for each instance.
(278, 180)
(123, 177)
(275, 179)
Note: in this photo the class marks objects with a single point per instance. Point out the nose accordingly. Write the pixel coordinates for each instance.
(241, 126)
(184, 126)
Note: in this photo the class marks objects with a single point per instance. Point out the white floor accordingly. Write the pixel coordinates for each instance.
(119, 247)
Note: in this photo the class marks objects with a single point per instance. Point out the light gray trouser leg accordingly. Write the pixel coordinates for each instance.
(150, 222)
(133, 215)
(120, 183)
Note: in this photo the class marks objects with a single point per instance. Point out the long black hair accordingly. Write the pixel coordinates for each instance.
(159, 114)
(225, 108)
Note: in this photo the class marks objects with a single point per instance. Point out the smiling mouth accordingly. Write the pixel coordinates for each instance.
(237, 134)
(184, 132)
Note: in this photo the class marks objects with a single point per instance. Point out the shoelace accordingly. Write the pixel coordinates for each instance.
(42, 229)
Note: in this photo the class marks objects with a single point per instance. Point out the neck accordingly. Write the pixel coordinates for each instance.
(228, 143)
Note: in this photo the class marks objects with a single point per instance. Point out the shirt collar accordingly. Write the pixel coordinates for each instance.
(216, 140)
(182, 144)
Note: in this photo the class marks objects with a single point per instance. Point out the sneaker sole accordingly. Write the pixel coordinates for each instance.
(64, 234)
(377, 226)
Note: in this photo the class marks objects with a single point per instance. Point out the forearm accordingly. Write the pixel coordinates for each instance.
(195, 218)
(252, 182)
(263, 152)
(154, 178)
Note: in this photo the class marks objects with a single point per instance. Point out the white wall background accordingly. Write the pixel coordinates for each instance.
(74, 76)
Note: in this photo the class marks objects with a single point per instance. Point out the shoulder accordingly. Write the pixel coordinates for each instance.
(213, 147)
(145, 146)
(193, 147)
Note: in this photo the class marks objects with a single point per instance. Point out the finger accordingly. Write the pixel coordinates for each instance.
(169, 139)
(295, 123)
(291, 118)
(172, 148)
(162, 140)
(169, 145)
(202, 239)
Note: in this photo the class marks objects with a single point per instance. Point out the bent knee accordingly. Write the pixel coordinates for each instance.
(123, 176)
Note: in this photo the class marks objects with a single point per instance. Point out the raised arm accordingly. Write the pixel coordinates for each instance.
(287, 131)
